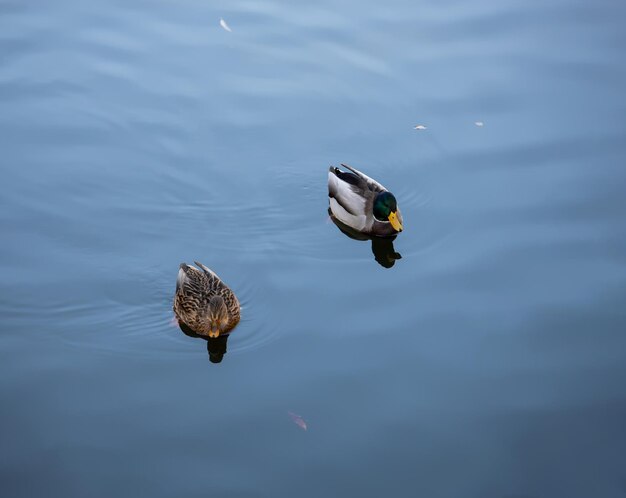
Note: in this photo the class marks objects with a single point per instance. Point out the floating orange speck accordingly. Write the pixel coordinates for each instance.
(298, 420)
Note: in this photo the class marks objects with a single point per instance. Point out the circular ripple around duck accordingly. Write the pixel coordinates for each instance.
(142, 324)
(308, 232)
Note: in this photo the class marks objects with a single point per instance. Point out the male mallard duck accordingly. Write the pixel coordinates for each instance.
(363, 204)
(203, 303)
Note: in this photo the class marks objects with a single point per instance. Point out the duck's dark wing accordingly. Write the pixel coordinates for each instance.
(372, 185)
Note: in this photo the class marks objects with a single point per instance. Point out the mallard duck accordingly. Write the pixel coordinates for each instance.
(362, 203)
(203, 303)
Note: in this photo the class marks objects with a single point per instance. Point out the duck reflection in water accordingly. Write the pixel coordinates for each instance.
(216, 346)
(205, 307)
(382, 247)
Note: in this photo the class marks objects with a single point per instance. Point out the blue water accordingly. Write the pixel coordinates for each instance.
(489, 361)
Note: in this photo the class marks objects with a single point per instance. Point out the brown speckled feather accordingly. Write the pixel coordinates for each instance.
(201, 298)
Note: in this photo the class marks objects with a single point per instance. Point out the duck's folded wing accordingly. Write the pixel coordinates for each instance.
(190, 280)
(371, 184)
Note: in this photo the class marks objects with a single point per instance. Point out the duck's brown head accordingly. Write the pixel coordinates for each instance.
(218, 318)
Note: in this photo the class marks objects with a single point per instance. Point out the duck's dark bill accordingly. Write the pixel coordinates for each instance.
(395, 223)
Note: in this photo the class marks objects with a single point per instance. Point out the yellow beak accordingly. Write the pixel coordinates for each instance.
(395, 223)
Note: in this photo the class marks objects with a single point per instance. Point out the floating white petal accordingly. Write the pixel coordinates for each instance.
(224, 25)
(419, 127)
(479, 123)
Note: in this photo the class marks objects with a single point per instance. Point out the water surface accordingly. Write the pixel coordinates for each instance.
(489, 361)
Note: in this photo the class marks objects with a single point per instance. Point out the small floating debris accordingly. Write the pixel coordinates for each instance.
(419, 127)
(298, 420)
(479, 123)
(225, 26)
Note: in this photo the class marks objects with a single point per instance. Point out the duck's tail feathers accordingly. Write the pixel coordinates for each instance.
(206, 269)
(351, 178)
(368, 179)
(354, 170)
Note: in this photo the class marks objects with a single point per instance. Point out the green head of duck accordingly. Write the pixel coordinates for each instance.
(386, 209)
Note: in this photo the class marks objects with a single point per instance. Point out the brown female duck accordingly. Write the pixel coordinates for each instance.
(203, 303)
